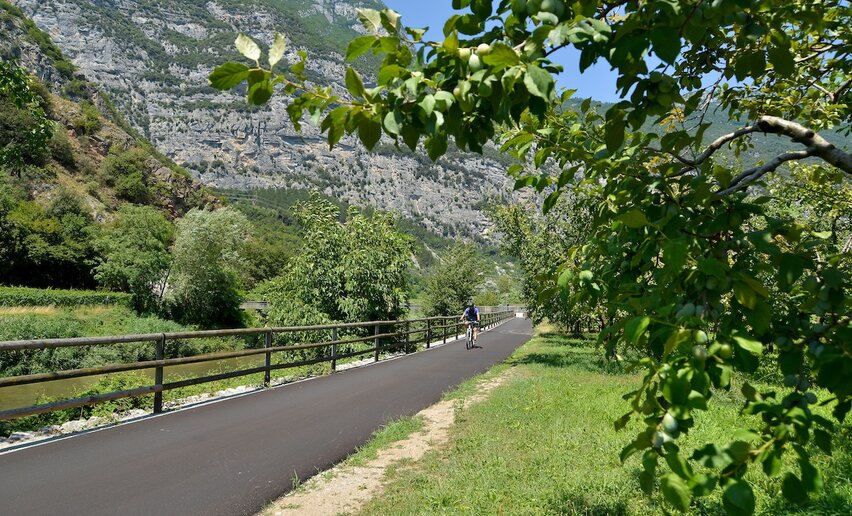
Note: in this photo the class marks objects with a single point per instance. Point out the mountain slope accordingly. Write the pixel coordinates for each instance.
(153, 58)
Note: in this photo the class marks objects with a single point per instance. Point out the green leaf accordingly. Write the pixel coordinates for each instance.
(675, 253)
(228, 75)
(335, 124)
(750, 64)
(782, 61)
(811, 478)
(390, 20)
(676, 492)
(745, 295)
(713, 267)
(772, 463)
(369, 131)
(614, 134)
(550, 201)
(634, 218)
(790, 269)
(738, 498)
(247, 47)
(501, 56)
(393, 121)
(539, 82)
(354, 83)
(635, 328)
(427, 104)
(666, 41)
(748, 344)
(677, 338)
(627, 452)
(823, 440)
(371, 19)
(260, 92)
(436, 146)
(388, 73)
(359, 46)
(793, 490)
(276, 51)
(410, 135)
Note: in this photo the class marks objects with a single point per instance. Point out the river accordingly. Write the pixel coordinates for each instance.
(26, 395)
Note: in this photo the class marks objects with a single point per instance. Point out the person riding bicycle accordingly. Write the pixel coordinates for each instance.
(471, 315)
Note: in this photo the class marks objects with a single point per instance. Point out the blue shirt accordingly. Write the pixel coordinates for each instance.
(471, 316)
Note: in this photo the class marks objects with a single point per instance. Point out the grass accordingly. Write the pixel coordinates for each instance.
(544, 443)
(392, 432)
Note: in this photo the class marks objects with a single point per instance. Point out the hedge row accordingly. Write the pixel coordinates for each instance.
(22, 296)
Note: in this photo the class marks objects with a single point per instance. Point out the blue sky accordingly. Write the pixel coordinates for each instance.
(597, 82)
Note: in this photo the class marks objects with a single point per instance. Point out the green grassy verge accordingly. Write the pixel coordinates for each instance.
(544, 443)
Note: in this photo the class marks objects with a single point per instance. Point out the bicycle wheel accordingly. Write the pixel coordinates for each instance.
(469, 337)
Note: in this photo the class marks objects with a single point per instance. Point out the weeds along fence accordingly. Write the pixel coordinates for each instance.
(281, 348)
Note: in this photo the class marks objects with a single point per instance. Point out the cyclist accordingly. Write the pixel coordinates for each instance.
(471, 315)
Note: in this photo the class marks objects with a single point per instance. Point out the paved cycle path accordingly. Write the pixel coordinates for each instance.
(232, 456)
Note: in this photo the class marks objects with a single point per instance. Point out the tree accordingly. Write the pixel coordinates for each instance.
(135, 255)
(349, 271)
(454, 280)
(542, 244)
(49, 246)
(204, 280)
(683, 251)
(25, 129)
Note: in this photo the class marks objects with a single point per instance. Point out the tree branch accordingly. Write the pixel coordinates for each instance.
(753, 174)
(835, 96)
(807, 137)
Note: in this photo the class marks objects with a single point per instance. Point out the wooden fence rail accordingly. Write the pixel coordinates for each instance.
(384, 336)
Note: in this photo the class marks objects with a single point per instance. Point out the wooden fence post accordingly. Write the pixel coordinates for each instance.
(377, 342)
(428, 332)
(160, 353)
(334, 350)
(444, 329)
(407, 335)
(267, 372)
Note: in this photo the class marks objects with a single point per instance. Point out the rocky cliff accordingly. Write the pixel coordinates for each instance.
(153, 59)
(92, 146)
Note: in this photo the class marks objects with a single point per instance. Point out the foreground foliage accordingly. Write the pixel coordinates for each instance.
(683, 256)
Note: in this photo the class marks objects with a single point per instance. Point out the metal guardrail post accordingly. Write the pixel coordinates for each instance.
(428, 332)
(334, 349)
(377, 342)
(160, 354)
(268, 372)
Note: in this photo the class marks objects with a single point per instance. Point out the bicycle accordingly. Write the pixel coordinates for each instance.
(470, 343)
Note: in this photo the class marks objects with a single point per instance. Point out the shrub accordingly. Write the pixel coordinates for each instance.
(132, 188)
(88, 120)
(22, 296)
(61, 150)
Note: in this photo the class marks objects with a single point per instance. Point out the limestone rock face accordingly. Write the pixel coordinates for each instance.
(153, 58)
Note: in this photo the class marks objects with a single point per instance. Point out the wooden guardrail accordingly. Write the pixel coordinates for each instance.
(374, 337)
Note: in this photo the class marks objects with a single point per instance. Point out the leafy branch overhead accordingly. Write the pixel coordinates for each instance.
(700, 264)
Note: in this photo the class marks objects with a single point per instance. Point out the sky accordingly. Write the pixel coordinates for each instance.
(597, 81)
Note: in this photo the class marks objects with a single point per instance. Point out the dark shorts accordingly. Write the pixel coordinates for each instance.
(473, 322)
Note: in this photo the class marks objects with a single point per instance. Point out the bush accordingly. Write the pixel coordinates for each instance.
(132, 188)
(60, 148)
(88, 121)
(22, 296)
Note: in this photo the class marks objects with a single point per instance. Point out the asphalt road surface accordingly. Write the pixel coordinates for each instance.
(232, 456)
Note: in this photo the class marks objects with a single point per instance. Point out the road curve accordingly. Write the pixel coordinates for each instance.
(233, 456)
